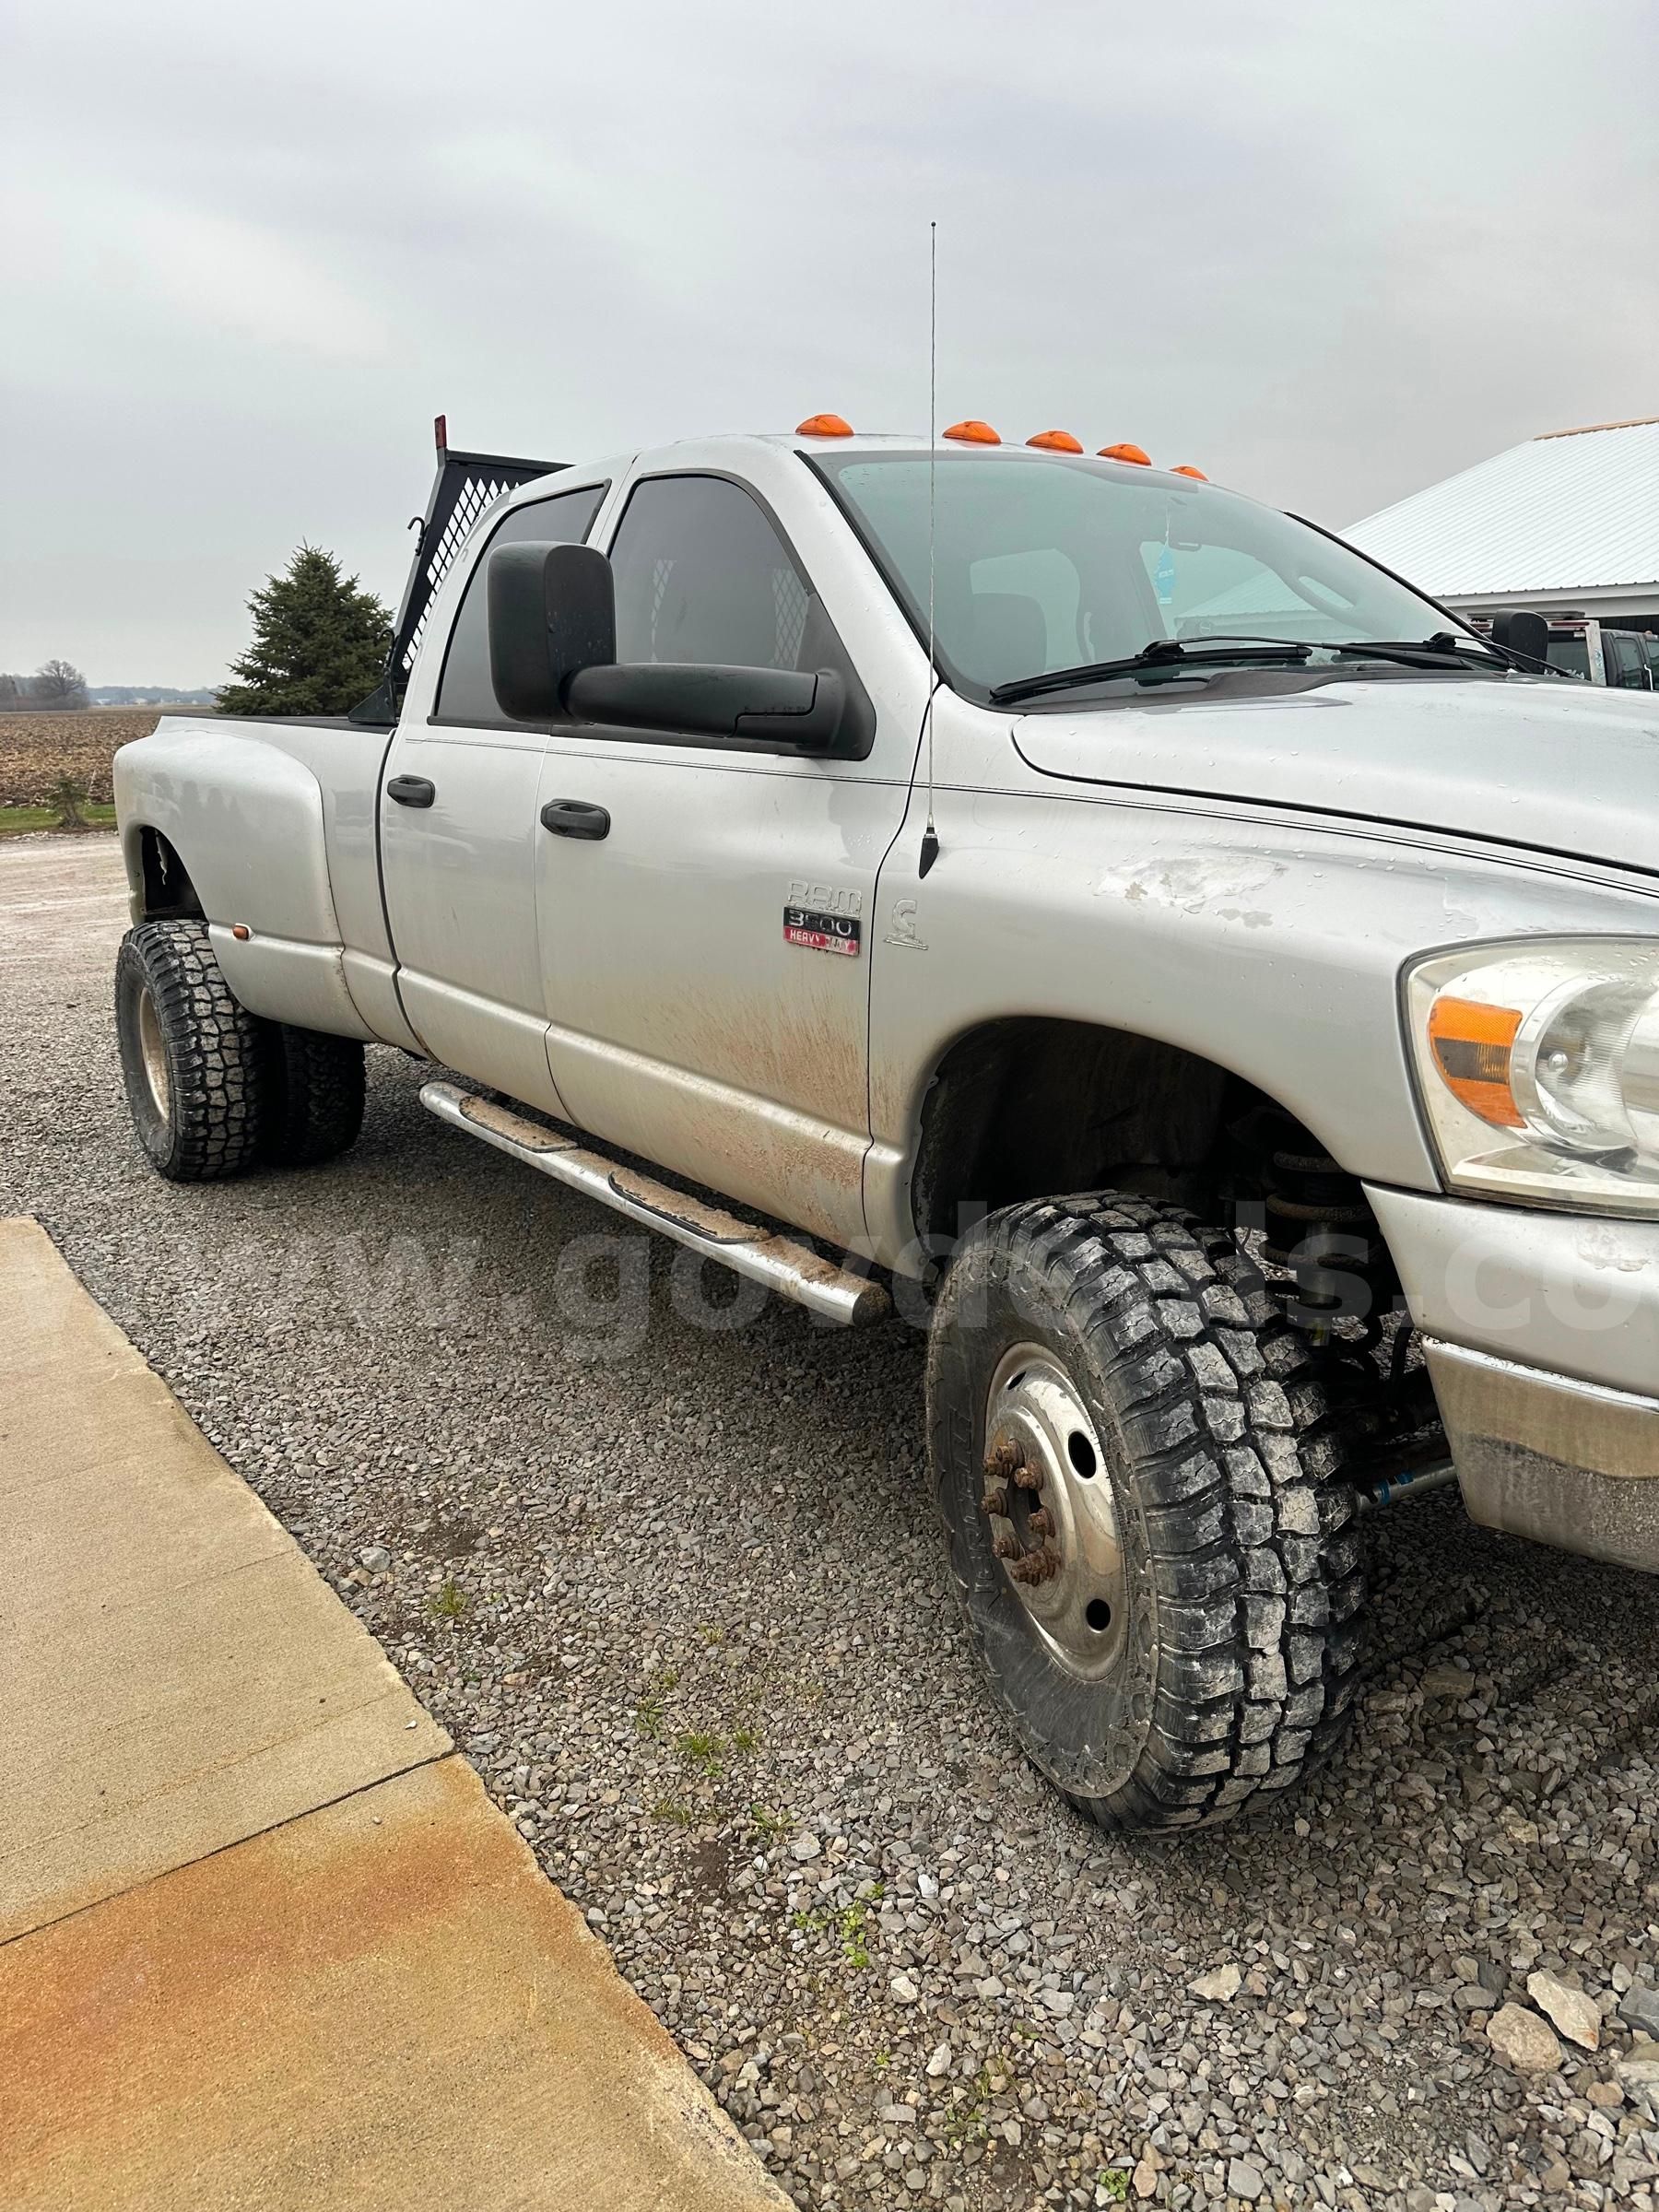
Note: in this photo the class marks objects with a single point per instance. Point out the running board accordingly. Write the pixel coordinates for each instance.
(791, 1269)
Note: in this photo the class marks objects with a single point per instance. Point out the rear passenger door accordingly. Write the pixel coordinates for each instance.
(707, 957)
(458, 843)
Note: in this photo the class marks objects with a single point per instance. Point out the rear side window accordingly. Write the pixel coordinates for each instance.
(1628, 668)
(702, 575)
(465, 690)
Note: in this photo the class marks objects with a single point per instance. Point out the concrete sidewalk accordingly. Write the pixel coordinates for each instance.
(264, 1939)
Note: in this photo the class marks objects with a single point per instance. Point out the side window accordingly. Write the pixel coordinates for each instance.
(701, 576)
(1628, 668)
(465, 690)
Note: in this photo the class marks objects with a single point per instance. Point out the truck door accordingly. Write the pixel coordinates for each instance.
(705, 910)
(458, 849)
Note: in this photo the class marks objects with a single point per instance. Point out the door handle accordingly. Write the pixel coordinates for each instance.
(576, 817)
(411, 791)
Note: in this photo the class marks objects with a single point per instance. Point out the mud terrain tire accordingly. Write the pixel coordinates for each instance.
(1230, 1626)
(315, 1095)
(193, 1061)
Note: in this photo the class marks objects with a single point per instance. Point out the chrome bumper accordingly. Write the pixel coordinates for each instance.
(1567, 1463)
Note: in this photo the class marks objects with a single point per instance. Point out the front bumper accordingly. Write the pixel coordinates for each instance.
(1541, 1338)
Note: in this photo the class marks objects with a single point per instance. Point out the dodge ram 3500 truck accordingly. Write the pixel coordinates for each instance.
(1051, 889)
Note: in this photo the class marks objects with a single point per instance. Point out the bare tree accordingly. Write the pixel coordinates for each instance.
(59, 684)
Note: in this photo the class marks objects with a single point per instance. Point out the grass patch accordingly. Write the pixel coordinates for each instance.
(702, 1749)
(677, 1814)
(19, 821)
(447, 1602)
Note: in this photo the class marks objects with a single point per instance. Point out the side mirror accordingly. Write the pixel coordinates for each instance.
(552, 612)
(780, 704)
(1523, 632)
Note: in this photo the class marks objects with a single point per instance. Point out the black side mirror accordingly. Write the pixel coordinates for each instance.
(1523, 632)
(552, 613)
(553, 658)
(773, 705)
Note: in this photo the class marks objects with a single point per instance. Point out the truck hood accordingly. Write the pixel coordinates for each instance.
(1531, 764)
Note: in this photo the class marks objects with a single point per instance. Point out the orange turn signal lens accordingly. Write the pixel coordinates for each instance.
(973, 432)
(1127, 452)
(824, 426)
(1185, 468)
(1472, 1043)
(1056, 442)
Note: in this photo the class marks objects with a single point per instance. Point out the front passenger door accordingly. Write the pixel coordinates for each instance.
(707, 957)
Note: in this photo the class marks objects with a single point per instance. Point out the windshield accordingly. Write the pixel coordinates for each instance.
(1043, 562)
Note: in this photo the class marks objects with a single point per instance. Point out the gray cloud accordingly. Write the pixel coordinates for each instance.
(1328, 252)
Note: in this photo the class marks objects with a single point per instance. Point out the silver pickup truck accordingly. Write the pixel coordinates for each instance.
(1098, 915)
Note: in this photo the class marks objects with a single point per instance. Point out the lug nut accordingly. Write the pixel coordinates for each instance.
(1009, 1547)
(1027, 1478)
(995, 1505)
(1039, 1523)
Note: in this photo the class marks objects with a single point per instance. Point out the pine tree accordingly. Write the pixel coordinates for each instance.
(319, 643)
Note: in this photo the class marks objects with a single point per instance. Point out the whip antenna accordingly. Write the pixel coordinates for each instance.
(930, 836)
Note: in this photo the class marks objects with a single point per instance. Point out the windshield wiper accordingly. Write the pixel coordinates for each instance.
(1162, 653)
(1430, 652)
(1442, 650)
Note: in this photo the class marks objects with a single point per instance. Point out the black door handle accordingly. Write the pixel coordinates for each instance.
(411, 791)
(576, 817)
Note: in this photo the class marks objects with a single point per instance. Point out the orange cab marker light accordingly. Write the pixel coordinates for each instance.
(1056, 442)
(240, 932)
(1471, 1044)
(1185, 468)
(1126, 453)
(973, 432)
(824, 426)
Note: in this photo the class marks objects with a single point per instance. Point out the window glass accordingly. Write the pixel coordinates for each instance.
(1570, 654)
(1628, 668)
(701, 576)
(465, 690)
(1043, 561)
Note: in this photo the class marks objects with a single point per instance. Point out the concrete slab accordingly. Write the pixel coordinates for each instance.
(175, 1675)
(383, 2004)
(263, 1940)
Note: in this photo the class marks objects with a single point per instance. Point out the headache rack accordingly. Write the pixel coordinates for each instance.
(464, 487)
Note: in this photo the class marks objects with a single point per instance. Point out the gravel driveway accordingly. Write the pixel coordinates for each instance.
(677, 1591)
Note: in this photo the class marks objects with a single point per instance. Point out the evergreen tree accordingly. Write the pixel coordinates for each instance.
(319, 643)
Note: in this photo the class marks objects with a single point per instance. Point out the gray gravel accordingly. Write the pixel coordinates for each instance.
(678, 1594)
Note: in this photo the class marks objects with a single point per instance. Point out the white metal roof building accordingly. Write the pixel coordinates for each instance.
(1570, 520)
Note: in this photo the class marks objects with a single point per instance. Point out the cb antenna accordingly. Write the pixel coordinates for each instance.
(930, 836)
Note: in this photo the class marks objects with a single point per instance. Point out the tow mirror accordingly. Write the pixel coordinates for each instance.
(776, 704)
(1522, 632)
(553, 658)
(552, 613)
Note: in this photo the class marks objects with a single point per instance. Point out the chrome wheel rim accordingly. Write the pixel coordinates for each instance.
(152, 1052)
(1052, 1512)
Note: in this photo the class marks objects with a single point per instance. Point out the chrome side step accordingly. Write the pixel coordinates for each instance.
(793, 1270)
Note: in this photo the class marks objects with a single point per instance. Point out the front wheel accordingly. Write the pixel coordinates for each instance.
(1142, 1490)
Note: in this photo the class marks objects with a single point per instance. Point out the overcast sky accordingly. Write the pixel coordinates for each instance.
(1328, 249)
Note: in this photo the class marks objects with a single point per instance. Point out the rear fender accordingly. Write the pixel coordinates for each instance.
(246, 821)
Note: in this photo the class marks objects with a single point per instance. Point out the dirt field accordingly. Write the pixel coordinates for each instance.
(36, 750)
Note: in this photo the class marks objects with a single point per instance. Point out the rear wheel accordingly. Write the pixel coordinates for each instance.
(315, 1106)
(1148, 1525)
(193, 1060)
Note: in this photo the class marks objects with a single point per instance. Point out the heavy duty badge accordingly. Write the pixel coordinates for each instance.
(819, 932)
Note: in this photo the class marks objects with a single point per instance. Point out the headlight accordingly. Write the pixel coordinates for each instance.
(1538, 1065)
